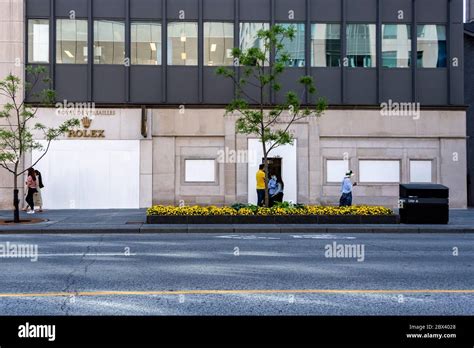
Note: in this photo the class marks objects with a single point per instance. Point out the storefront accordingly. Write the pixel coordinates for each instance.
(102, 164)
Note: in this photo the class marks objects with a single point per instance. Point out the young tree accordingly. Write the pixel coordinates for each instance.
(16, 135)
(256, 116)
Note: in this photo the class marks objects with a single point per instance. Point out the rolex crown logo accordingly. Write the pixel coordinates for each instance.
(86, 122)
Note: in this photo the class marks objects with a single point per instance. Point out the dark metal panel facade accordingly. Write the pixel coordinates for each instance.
(255, 10)
(361, 11)
(432, 86)
(328, 84)
(289, 81)
(71, 82)
(109, 84)
(217, 89)
(290, 10)
(396, 84)
(66, 8)
(218, 10)
(109, 8)
(325, 10)
(145, 84)
(37, 8)
(177, 8)
(432, 11)
(469, 100)
(340, 85)
(183, 85)
(361, 86)
(146, 9)
(391, 11)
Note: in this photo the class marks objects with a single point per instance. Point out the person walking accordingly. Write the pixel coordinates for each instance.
(37, 198)
(277, 195)
(346, 190)
(31, 185)
(272, 188)
(260, 176)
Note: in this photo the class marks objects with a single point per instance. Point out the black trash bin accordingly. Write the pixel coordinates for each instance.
(424, 204)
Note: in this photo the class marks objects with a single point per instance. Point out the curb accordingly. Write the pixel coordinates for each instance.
(239, 229)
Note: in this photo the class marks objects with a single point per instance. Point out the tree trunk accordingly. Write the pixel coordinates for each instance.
(265, 168)
(16, 202)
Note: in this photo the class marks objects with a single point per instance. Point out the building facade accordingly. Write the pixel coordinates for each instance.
(469, 94)
(392, 72)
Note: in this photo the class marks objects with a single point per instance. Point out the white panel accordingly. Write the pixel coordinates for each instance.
(288, 169)
(336, 170)
(379, 171)
(200, 170)
(420, 171)
(89, 174)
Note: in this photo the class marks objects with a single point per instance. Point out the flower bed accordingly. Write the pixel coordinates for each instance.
(281, 214)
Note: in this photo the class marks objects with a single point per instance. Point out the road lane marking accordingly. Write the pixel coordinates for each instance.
(239, 292)
(320, 236)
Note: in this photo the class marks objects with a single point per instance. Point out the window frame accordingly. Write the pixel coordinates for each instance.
(198, 33)
(29, 51)
(146, 21)
(119, 20)
(341, 55)
(87, 42)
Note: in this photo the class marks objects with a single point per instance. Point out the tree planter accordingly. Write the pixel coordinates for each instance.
(278, 219)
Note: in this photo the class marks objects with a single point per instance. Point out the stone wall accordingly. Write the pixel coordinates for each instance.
(11, 61)
(358, 134)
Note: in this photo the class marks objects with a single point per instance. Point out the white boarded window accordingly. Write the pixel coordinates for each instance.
(420, 171)
(200, 170)
(379, 171)
(336, 170)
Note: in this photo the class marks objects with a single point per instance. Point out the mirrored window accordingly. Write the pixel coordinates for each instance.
(325, 45)
(183, 43)
(71, 41)
(145, 43)
(396, 45)
(109, 42)
(38, 41)
(248, 36)
(218, 43)
(431, 51)
(361, 48)
(295, 48)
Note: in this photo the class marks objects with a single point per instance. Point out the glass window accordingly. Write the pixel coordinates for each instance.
(361, 45)
(200, 170)
(336, 169)
(431, 46)
(295, 47)
(218, 43)
(38, 41)
(71, 41)
(182, 43)
(248, 37)
(325, 45)
(396, 45)
(109, 42)
(420, 171)
(146, 43)
(379, 171)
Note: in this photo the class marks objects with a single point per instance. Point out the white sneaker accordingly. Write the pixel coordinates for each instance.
(30, 212)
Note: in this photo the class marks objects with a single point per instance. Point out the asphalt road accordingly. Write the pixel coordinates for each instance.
(217, 274)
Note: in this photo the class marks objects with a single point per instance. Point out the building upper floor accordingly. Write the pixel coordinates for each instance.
(360, 52)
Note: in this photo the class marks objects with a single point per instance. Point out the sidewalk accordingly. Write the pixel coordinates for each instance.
(133, 221)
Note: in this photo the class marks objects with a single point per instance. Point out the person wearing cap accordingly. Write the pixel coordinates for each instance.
(346, 190)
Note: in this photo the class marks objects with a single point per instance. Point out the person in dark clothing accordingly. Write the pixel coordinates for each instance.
(31, 185)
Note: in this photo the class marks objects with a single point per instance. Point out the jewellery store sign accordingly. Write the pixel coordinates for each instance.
(87, 118)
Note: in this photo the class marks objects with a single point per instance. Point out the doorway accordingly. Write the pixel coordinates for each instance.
(274, 166)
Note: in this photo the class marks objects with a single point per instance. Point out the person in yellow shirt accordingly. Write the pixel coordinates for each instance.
(260, 186)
